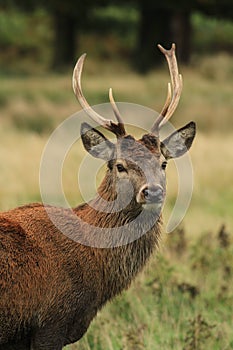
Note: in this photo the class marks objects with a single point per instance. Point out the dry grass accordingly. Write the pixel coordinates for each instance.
(212, 165)
(31, 107)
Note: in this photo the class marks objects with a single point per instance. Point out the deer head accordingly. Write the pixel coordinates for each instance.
(136, 168)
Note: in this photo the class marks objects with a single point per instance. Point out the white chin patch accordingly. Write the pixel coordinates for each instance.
(156, 207)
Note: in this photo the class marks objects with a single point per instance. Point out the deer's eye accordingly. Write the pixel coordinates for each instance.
(164, 164)
(120, 168)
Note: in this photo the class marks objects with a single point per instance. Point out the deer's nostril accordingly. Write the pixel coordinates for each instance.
(146, 192)
(153, 194)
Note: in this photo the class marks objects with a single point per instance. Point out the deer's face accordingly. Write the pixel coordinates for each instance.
(141, 165)
(137, 167)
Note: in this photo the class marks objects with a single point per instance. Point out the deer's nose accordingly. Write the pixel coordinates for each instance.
(153, 194)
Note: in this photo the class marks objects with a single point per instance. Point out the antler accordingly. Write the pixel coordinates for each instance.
(117, 128)
(174, 90)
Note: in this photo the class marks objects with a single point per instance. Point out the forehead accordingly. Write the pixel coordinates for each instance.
(148, 147)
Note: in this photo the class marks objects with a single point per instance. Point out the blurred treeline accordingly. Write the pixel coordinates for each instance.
(41, 34)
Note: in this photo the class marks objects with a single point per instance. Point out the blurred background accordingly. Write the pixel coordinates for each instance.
(184, 299)
(42, 35)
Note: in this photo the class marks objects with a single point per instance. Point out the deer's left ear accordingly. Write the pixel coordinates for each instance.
(179, 142)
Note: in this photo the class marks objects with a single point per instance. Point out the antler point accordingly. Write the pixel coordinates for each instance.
(162, 49)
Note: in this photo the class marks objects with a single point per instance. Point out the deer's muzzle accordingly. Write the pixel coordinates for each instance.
(151, 195)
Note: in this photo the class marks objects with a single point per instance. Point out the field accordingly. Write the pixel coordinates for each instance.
(184, 299)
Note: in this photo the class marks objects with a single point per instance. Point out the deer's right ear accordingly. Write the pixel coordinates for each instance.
(96, 143)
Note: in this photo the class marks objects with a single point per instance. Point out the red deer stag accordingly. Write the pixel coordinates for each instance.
(51, 286)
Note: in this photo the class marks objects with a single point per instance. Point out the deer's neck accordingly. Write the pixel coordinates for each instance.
(122, 264)
(106, 214)
(126, 238)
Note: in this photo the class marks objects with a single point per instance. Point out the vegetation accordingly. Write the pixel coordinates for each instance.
(184, 299)
(32, 43)
(182, 302)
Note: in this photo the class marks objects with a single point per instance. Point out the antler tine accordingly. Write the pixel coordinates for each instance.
(117, 129)
(115, 108)
(176, 82)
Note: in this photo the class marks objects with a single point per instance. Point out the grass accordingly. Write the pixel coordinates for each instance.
(183, 300)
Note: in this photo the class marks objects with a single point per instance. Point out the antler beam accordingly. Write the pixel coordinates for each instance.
(117, 128)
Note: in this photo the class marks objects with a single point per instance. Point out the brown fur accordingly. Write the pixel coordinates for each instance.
(51, 285)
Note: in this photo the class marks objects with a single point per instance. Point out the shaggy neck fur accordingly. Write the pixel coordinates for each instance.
(125, 256)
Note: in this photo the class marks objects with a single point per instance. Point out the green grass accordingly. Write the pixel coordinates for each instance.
(183, 300)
